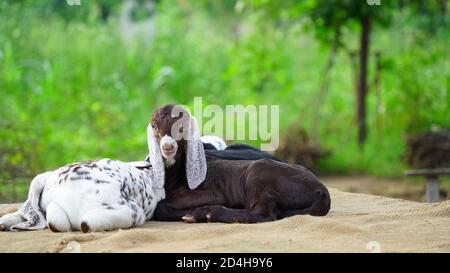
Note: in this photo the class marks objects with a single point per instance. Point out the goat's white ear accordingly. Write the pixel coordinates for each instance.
(155, 158)
(195, 156)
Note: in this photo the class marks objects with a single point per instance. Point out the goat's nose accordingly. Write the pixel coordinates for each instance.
(168, 147)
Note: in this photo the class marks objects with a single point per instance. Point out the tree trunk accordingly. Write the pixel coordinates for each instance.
(444, 7)
(377, 88)
(362, 81)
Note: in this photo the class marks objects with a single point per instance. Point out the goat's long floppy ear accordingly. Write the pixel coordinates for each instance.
(195, 156)
(155, 158)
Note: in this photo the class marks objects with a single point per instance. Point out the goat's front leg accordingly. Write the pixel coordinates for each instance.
(179, 204)
(227, 215)
(163, 212)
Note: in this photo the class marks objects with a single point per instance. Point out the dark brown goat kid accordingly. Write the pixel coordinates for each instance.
(202, 188)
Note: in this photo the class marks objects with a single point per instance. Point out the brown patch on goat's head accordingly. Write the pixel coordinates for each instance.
(162, 120)
(170, 140)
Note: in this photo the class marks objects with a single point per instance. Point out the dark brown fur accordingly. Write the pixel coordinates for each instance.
(243, 191)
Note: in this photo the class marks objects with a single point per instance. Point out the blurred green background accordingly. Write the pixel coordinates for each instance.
(80, 82)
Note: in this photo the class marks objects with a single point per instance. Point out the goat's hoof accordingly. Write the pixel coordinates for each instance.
(52, 227)
(188, 219)
(85, 227)
(2, 227)
(199, 215)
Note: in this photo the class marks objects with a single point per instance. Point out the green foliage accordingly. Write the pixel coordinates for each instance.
(71, 90)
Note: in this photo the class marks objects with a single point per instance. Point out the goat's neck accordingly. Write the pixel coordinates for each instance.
(175, 174)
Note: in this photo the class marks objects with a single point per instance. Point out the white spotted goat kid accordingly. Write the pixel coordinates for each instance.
(89, 196)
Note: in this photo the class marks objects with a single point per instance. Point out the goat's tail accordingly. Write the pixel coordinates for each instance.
(320, 206)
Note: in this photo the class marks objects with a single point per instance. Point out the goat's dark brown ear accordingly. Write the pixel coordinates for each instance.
(195, 156)
(155, 158)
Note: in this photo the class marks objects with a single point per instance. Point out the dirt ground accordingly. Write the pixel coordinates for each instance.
(356, 223)
(407, 189)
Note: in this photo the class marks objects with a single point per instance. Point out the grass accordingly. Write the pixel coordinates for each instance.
(71, 90)
(14, 191)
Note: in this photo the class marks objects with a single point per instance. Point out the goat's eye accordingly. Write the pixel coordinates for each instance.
(181, 129)
(155, 130)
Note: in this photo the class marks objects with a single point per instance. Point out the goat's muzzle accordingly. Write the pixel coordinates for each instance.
(168, 146)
